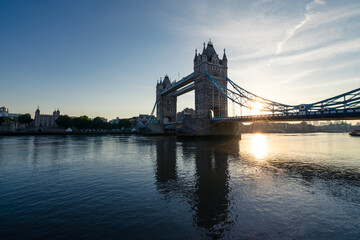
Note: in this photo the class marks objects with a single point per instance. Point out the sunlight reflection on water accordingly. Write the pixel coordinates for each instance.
(259, 146)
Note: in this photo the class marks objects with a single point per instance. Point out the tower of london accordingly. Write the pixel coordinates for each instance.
(46, 120)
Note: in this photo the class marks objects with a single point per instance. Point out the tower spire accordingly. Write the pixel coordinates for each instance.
(224, 56)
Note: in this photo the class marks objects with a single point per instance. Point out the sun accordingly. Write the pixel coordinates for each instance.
(257, 107)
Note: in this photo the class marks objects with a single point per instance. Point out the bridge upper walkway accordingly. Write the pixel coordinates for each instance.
(178, 85)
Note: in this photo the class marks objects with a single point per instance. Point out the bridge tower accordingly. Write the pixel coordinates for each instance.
(166, 105)
(208, 101)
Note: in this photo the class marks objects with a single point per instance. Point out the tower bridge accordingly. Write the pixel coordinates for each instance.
(213, 90)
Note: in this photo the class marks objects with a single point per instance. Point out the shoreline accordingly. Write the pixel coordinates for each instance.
(61, 133)
(66, 133)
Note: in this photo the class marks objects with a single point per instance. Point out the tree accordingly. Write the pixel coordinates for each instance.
(82, 122)
(25, 118)
(5, 119)
(64, 121)
(113, 126)
(98, 123)
(126, 123)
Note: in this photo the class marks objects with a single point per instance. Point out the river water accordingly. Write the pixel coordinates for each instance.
(264, 186)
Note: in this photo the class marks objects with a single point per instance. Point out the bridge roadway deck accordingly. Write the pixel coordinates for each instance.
(348, 114)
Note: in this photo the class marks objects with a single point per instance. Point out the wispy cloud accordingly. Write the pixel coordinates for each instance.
(291, 31)
(326, 52)
(334, 83)
(310, 6)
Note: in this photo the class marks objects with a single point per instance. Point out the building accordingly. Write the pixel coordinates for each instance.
(43, 120)
(166, 109)
(4, 112)
(187, 112)
(209, 102)
(316, 123)
(115, 121)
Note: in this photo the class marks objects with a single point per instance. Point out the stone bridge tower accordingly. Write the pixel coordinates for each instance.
(208, 101)
(166, 105)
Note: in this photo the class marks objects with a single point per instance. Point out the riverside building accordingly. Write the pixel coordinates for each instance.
(46, 120)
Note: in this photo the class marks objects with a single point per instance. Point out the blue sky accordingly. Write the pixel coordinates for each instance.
(103, 58)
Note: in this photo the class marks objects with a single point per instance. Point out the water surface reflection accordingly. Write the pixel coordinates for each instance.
(208, 194)
(258, 145)
(272, 186)
(260, 187)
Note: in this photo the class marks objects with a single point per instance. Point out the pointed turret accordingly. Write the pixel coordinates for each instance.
(210, 51)
(166, 83)
(224, 56)
(196, 56)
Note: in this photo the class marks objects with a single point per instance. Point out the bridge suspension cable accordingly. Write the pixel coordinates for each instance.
(247, 99)
(150, 117)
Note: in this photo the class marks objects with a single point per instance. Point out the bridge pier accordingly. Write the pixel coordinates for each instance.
(203, 127)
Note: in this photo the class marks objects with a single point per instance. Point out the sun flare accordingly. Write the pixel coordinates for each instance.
(257, 107)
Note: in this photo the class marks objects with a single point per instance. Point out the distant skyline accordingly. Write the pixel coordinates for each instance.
(103, 58)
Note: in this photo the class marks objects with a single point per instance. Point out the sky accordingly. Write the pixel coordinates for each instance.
(104, 58)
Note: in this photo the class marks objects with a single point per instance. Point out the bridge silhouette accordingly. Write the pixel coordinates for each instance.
(213, 91)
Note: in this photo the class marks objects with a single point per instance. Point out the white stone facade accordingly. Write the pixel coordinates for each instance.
(4, 112)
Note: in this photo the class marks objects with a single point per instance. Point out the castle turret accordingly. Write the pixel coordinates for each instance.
(37, 117)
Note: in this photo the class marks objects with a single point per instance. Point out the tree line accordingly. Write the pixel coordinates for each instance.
(84, 122)
(25, 118)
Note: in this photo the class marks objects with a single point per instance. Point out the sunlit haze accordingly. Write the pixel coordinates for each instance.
(103, 58)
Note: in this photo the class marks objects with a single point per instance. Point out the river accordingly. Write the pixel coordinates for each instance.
(264, 186)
